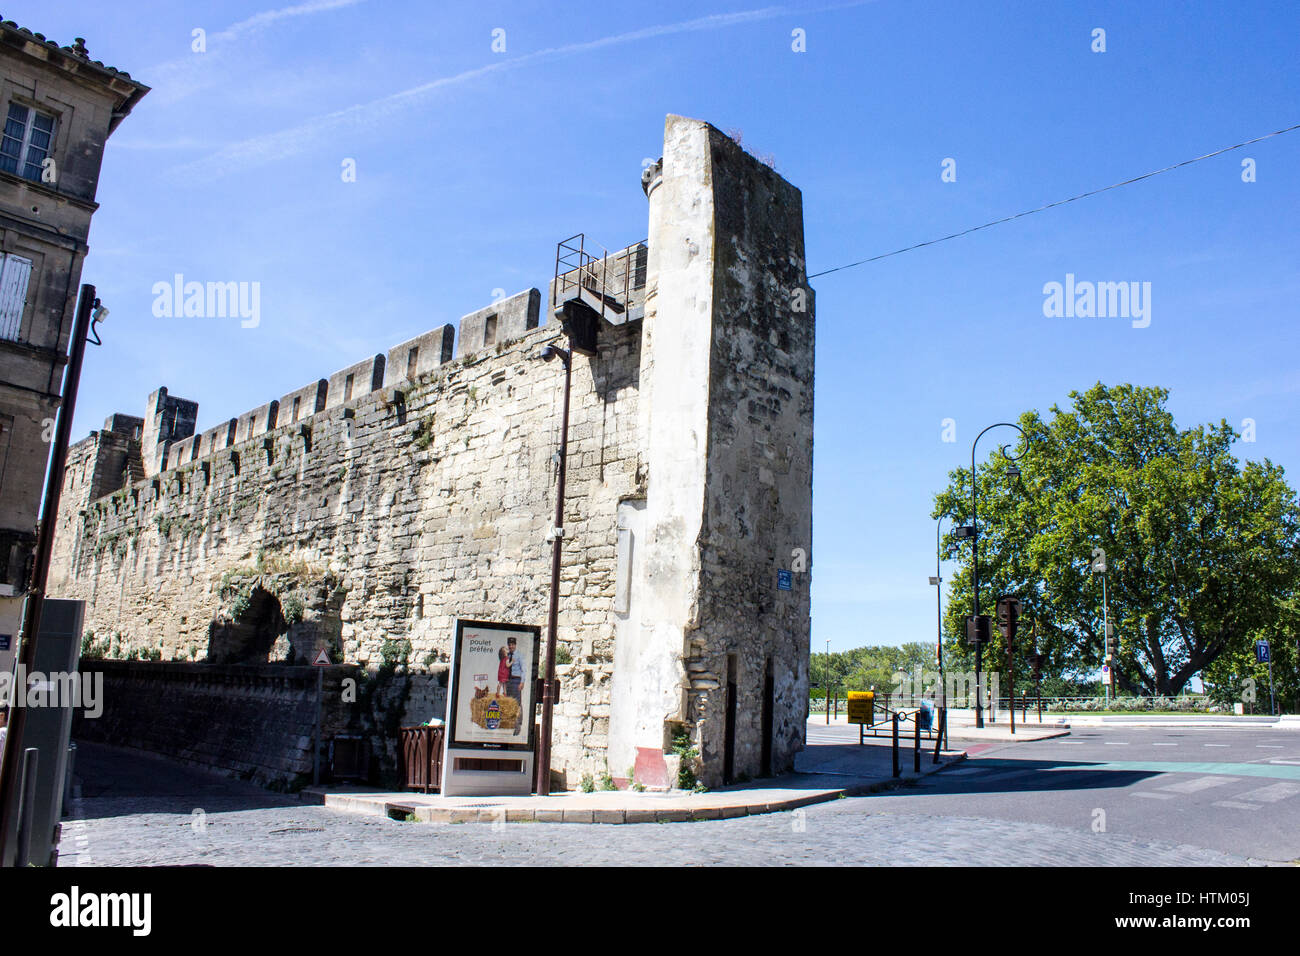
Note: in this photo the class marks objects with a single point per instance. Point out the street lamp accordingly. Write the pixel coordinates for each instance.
(937, 581)
(974, 629)
(1098, 566)
(556, 535)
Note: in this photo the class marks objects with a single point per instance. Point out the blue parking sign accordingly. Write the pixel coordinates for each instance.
(784, 580)
(1262, 652)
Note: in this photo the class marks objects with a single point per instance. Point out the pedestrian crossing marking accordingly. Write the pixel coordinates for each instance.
(1234, 805)
(1272, 793)
(1198, 784)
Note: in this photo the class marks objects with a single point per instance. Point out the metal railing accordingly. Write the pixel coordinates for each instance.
(1191, 703)
(608, 277)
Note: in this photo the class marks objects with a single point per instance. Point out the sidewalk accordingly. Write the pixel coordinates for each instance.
(823, 772)
(961, 726)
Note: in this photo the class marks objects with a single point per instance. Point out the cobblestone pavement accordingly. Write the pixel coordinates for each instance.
(241, 825)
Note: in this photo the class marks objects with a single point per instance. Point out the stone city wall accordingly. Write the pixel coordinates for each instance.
(379, 519)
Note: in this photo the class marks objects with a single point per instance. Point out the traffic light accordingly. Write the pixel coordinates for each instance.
(1008, 616)
(1036, 662)
(978, 629)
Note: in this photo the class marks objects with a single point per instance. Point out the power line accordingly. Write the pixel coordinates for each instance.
(1059, 202)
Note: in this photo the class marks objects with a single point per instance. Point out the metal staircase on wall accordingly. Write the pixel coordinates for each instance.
(590, 289)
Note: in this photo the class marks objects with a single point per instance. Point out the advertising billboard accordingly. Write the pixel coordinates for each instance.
(492, 687)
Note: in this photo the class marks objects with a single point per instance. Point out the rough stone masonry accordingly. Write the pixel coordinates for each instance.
(376, 506)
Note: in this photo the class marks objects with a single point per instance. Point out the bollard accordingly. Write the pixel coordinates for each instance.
(896, 745)
(916, 744)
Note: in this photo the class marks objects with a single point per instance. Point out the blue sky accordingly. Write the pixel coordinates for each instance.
(471, 164)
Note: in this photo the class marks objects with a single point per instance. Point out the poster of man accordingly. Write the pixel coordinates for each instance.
(492, 687)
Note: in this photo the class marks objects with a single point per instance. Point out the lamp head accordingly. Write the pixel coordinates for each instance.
(549, 352)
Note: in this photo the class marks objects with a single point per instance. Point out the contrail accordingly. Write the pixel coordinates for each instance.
(258, 150)
(178, 78)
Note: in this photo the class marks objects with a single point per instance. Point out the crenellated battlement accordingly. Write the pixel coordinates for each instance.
(169, 442)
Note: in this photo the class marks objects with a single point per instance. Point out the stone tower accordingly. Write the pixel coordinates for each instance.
(711, 645)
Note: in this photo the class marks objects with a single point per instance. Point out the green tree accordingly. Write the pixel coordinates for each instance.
(1199, 547)
(866, 667)
(1225, 679)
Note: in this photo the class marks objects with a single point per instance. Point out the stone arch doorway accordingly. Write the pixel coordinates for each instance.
(248, 633)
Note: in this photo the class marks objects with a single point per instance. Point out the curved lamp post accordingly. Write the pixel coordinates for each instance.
(1013, 471)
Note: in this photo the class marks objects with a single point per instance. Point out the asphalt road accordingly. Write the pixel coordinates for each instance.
(1227, 789)
(1115, 796)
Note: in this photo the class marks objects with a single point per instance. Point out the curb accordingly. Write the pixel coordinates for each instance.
(418, 813)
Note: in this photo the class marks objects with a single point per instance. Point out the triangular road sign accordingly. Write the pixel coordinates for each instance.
(322, 658)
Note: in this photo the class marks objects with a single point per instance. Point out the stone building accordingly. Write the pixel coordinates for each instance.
(373, 507)
(59, 109)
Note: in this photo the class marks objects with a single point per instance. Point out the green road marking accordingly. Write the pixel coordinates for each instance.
(1276, 771)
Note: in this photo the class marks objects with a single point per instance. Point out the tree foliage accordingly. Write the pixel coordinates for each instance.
(1200, 549)
(864, 668)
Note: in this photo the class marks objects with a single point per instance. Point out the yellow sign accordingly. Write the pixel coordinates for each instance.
(860, 706)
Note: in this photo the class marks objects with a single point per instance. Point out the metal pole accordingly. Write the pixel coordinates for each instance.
(9, 795)
(828, 683)
(1105, 637)
(938, 604)
(938, 738)
(1011, 683)
(895, 747)
(1272, 700)
(975, 557)
(316, 741)
(975, 582)
(548, 689)
(916, 742)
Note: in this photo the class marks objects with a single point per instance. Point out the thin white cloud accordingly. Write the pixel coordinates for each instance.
(186, 75)
(259, 150)
(260, 21)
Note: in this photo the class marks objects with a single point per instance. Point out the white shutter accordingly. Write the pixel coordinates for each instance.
(13, 295)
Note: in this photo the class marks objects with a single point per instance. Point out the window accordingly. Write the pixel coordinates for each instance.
(490, 331)
(412, 358)
(347, 389)
(14, 273)
(26, 141)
